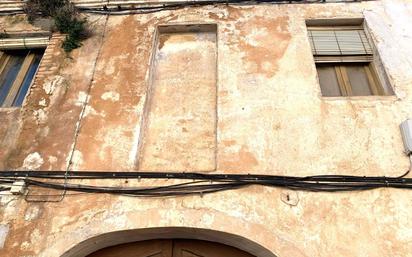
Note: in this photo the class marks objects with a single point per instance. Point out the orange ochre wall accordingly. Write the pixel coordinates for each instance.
(259, 110)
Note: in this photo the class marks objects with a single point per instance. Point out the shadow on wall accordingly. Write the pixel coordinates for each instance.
(127, 236)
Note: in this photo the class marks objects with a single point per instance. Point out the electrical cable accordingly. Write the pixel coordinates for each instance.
(201, 184)
(155, 7)
(410, 168)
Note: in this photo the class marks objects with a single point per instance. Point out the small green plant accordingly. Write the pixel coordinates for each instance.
(66, 19)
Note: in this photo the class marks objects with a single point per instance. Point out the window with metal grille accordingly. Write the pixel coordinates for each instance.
(344, 60)
(19, 60)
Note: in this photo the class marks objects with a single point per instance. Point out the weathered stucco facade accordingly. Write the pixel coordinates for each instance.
(261, 112)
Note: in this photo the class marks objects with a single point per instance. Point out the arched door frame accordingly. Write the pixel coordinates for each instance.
(127, 236)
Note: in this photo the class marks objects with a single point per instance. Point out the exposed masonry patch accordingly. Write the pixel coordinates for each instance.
(42, 102)
(81, 98)
(110, 68)
(25, 246)
(35, 236)
(33, 161)
(77, 159)
(4, 231)
(90, 110)
(112, 96)
(32, 213)
(52, 159)
(41, 116)
(51, 85)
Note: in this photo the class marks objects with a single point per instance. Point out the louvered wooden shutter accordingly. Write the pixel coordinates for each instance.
(340, 43)
(23, 43)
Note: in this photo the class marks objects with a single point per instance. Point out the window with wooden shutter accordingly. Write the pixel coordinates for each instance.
(19, 60)
(344, 61)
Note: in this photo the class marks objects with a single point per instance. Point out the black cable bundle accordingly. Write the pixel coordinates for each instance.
(201, 184)
(156, 7)
(153, 7)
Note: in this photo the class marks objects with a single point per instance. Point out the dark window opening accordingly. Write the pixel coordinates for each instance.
(17, 70)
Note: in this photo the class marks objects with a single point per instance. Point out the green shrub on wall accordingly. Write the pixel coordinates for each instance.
(66, 19)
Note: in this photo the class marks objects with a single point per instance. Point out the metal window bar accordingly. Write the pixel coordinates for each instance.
(23, 43)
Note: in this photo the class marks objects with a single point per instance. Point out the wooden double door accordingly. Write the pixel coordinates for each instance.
(170, 248)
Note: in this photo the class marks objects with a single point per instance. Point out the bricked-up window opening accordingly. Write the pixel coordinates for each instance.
(345, 61)
(180, 113)
(17, 70)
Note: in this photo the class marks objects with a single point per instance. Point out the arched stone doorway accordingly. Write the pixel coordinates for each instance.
(171, 248)
(195, 236)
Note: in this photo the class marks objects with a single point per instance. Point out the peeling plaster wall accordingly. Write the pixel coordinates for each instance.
(271, 119)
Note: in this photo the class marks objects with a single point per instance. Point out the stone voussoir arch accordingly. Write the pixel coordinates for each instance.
(84, 239)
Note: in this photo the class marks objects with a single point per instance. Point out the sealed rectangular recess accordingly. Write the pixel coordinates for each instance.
(179, 130)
